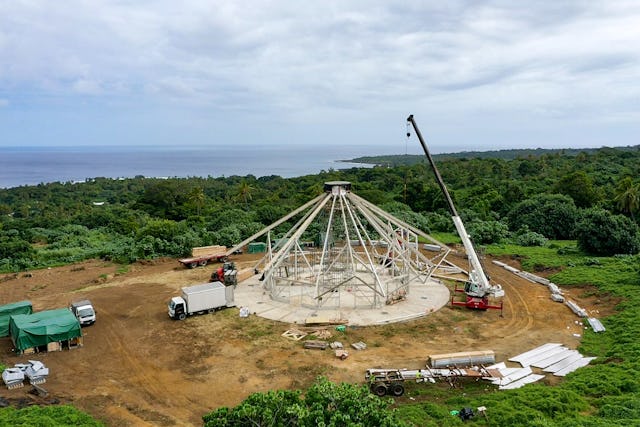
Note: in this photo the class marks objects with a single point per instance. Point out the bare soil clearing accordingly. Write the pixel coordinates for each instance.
(139, 367)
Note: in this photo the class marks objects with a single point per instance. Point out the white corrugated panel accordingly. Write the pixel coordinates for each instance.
(524, 381)
(596, 325)
(514, 376)
(554, 358)
(563, 363)
(499, 366)
(575, 365)
(532, 353)
(542, 355)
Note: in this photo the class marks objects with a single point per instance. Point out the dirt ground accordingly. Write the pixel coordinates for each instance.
(140, 368)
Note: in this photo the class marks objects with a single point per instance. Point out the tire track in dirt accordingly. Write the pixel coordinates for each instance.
(518, 315)
(143, 377)
(521, 319)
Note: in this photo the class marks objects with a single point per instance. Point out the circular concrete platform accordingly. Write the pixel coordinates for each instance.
(421, 300)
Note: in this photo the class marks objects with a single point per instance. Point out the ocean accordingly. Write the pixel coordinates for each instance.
(34, 165)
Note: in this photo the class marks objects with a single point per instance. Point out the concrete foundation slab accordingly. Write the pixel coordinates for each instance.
(422, 300)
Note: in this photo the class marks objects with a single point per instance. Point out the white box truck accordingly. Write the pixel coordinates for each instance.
(204, 298)
(84, 311)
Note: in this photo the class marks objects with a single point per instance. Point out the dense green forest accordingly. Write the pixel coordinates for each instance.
(515, 205)
(591, 197)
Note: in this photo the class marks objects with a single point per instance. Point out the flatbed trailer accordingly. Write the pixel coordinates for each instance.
(391, 381)
(202, 260)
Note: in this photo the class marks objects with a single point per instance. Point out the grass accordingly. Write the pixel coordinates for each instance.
(446, 238)
(606, 393)
(556, 254)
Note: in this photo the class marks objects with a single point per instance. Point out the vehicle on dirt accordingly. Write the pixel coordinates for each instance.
(202, 260)
(477, 289)
(84, 312)
(226, 274)
(200, 299)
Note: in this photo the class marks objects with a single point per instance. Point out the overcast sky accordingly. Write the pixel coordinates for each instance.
(477, 75)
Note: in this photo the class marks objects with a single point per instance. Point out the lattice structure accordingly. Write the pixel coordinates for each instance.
(345, 252)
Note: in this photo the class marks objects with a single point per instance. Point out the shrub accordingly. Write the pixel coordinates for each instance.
(601, 233)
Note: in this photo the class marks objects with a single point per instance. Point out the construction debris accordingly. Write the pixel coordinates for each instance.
(581, 312)
(294, 334)
(596, 325)
(13, 378)
(35, 371)
(553, 358)
(336, 345)
(315, 344)
(359, 345)
(341, 354)
(322, 334)
(556, 292)
(324, 320)
(462, 359)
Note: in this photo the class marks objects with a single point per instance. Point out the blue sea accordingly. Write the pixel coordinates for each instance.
(35, 165)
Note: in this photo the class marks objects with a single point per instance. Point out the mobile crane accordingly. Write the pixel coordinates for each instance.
(477, 288)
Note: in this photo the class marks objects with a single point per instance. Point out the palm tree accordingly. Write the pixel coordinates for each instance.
(197, 197)
(628, 197)
(244, 192)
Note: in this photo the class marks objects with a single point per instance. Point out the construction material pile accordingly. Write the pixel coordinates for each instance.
(34, 371)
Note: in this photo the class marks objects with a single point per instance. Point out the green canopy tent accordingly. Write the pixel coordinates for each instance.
(8, 310)
(42, 328)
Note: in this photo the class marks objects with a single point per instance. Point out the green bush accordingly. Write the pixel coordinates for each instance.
(49, 416)
(599, 232)
(324, 404)
(530, 238)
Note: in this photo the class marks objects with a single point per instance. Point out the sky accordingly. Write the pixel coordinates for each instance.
(477, 75)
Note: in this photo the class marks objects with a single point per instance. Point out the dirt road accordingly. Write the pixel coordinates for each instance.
(138, 367)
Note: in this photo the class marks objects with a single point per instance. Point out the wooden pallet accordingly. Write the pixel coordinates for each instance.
(294, 334)
(315, 344)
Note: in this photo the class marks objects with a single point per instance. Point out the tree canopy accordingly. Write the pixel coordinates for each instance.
(324, 404)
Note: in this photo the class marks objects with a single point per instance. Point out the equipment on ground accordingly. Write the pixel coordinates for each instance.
(477, 289)
(226, 274)
(202, 260)
(84, 312)
(200, 299)
(392, 381)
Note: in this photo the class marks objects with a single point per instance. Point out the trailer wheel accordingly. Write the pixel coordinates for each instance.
(397, 390)
(193, 265)
(182, 316)
(211, 310)
(379, 389)
(202, 263)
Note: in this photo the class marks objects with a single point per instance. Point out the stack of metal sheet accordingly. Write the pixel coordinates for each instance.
(581, 312)
(13, 377)
(596, 325)
(553, 358)
(36, 372)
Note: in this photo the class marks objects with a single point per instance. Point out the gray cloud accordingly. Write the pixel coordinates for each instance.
(320, 62)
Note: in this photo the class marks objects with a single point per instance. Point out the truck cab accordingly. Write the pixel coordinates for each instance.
(177, 308)
(84, 312)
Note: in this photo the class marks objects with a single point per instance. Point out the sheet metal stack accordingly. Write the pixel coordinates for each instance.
(553, 358)
(13, 378)
(35, 371)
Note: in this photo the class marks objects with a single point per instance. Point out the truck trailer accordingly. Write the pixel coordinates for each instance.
(200, 299)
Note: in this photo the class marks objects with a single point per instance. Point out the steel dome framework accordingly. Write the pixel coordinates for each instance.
(362, 257)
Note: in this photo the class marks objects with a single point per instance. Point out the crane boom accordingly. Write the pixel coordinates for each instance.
(478, 286)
